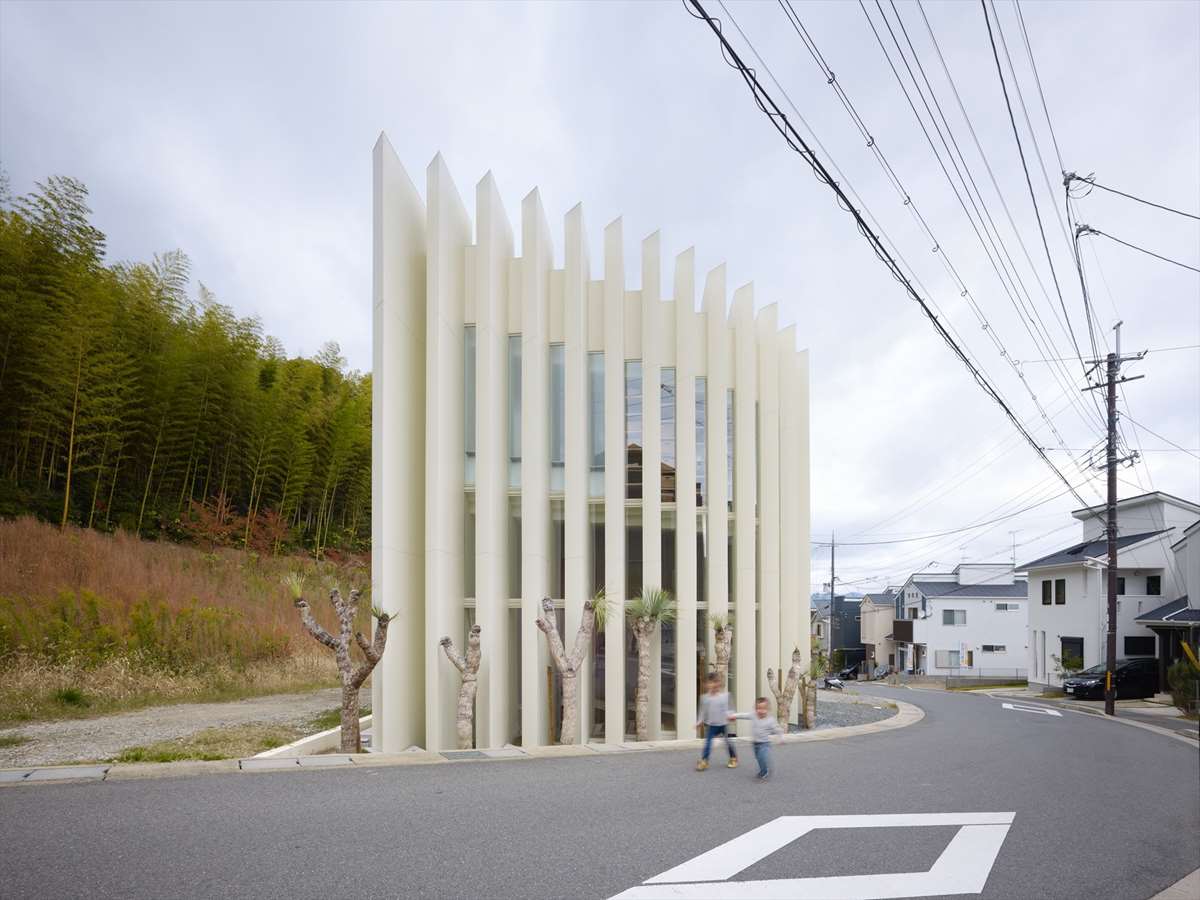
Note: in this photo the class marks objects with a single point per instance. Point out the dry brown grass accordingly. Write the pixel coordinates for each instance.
(93, 623)
(38, 560)
(34, 689)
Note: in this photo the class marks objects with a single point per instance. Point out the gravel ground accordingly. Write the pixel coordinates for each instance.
(73, 740)
(836, 710)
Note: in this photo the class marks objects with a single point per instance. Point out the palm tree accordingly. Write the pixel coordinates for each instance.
(646, 611)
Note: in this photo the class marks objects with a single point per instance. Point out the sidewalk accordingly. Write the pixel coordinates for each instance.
(907, 714)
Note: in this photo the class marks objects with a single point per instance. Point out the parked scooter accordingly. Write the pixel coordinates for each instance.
(833, 682)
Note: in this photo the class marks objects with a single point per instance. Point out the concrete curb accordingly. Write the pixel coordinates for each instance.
(907, 714)
(314, 743)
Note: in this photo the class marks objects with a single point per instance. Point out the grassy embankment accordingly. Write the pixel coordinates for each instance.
(93, 623)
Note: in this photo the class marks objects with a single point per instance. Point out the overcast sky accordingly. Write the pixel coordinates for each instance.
(242, 135)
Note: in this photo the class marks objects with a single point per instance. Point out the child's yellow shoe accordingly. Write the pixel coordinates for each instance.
(702, 765)
(732, 763)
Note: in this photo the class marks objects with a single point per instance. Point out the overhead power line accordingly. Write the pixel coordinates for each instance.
(940, 534)
(1029, 183)
(1161, 438)
(1087, 229)
(1155, 350)
(1091, 181)
(779, 121)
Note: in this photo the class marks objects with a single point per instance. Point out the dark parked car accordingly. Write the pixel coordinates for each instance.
(1134, 678)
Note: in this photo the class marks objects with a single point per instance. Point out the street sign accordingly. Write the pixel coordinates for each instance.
(1040, 710)
(962, 868)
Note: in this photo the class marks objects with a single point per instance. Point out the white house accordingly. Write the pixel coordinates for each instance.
(971, 621)
(878, 611)
(1178, 620)
(1068, 602)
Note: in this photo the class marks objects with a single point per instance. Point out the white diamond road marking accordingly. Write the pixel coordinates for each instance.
(962, 868)
(1040, 710)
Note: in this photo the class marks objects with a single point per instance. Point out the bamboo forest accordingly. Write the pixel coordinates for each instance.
(131, 398)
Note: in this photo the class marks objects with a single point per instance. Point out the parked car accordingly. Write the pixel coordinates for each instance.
(1134, 678)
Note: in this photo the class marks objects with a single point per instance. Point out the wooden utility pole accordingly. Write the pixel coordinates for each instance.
(1112, 363)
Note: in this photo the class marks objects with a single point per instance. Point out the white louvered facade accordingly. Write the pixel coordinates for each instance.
(534, 431)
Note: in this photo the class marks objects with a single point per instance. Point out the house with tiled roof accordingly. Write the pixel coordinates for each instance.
(969, 622)
(1068, 600)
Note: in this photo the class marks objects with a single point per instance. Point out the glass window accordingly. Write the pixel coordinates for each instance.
(1046, 589)
(1060, 591)
(633, 429)
(666, 401)
(596, 425)
(701, 558)
(558, 550)
(558, 437)
(514, 411)
(469, 404)
(1139, 645)
(729, 446)
(469, 544)
(731, 562)
(1153, 585)
(633, 551)
(701, 443)
(954, 617)
(994, 648)
(596, 524)
(1120, 585)
(668, 550)
(514, 547)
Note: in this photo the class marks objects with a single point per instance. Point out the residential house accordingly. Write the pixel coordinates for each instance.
(820, 623)
(1179, 620)
(1068, 593)
(844, 630)
(877, 612)
(971, 621)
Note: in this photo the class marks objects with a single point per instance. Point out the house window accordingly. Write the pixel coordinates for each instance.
(1010, 607)
(1060, 591)
(514, 414)
(596, 424)
(946, 659)
(954, 617)
(558, 430)
(820, 631)
(1153, 585)
(993, 648)
(1047, 587)
(1139, 645)
(1120, 586)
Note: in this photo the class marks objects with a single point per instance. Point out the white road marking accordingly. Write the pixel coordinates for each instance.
(962, 868)
(1040, 710)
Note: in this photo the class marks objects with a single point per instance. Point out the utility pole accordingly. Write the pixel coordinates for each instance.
(1112, 363)
(832, 589)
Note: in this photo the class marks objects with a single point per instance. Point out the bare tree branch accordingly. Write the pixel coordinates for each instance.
(313, 626)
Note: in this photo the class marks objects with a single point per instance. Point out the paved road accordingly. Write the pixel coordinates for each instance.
(1098, 810)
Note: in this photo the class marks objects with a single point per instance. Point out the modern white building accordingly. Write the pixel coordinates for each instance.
(543, 430)
(971, 622)
(1068, 592)
(1178, 620)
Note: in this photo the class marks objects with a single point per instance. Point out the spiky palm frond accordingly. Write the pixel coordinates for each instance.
(600, 605)
(718, 623)
(653, 604)
(294, 582)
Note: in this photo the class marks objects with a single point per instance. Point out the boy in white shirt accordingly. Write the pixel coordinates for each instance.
(762, 727)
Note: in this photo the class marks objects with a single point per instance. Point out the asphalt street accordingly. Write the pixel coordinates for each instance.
(1097, 810)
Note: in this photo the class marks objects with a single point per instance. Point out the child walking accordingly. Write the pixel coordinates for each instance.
(714, 717)
(762, 727)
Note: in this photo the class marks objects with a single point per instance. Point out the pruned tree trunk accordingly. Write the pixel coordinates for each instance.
(808, 702)
(352, 676)
(468, 668)
(784, 691)
(568, 666)
(643, 632)
(721, 650)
